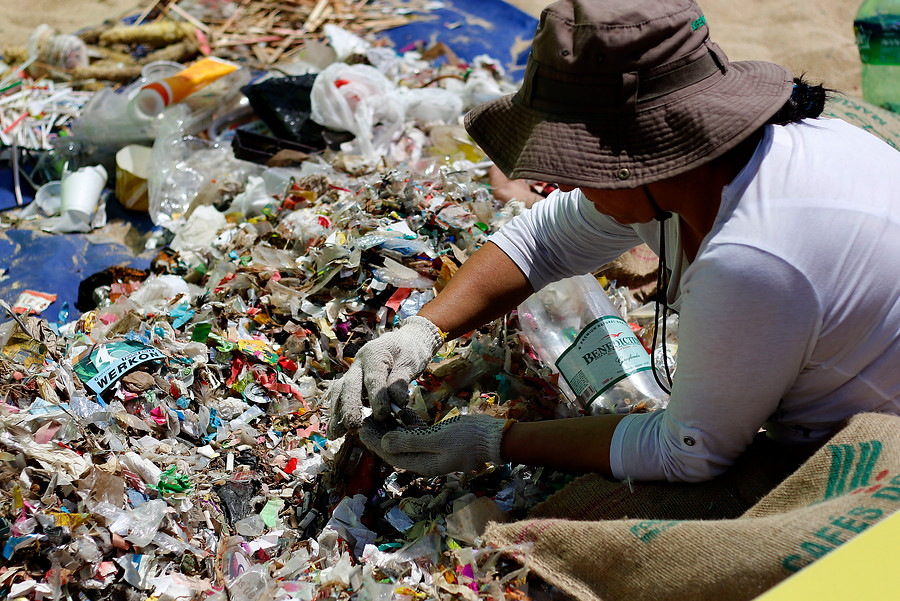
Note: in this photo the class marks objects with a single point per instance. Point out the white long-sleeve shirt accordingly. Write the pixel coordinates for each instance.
(789, 314)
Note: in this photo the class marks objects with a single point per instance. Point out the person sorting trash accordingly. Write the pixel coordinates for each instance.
(780, 233)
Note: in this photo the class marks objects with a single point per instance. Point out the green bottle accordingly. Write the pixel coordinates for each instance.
(877, 29)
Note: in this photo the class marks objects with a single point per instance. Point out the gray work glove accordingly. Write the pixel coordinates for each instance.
(386, 365)
(459, 444)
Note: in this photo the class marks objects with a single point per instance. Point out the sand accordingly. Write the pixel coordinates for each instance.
(18, 19)
(812, 38)
(815, 38)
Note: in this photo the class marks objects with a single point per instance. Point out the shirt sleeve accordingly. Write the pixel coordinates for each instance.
(748, 325)
(561, 236)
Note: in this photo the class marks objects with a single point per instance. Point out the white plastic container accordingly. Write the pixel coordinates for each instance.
(578, 333)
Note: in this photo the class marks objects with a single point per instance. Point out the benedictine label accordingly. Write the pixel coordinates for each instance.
(605, 352)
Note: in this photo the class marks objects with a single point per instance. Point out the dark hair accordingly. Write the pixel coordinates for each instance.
(806, 101)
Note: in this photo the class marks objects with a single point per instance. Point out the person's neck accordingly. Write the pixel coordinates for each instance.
(695, 195)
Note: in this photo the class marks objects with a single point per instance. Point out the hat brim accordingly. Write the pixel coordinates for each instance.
(667, 137)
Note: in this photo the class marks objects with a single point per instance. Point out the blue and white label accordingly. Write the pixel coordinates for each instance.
(105, 378)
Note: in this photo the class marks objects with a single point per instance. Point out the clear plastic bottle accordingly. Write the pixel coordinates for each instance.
(576, 331)
(877, 29)
(64, 51)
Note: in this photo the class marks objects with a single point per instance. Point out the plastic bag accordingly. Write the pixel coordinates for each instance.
(254, 199)
(182, 167)
(344, 43)
(305, 225)
(432, 105)
(144, 468)
(398, 275)
(254, 584)
(485, 82)
(284, 105)
(200, 229)
(355, 98)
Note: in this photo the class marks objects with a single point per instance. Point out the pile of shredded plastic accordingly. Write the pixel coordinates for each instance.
(169, 443)
(178, 430)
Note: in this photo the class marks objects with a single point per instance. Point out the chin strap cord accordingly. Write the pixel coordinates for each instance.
(662, 296)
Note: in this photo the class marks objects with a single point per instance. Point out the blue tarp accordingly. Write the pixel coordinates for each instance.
(474, 27)
(57, 264)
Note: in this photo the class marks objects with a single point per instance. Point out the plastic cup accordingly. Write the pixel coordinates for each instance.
(80, 191)
(47, 197)
(160, 70)
(132, 170)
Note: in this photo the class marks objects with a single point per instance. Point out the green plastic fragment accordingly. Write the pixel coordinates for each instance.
(270, 512)
(201, 332)
(170, 482)
(222, 344)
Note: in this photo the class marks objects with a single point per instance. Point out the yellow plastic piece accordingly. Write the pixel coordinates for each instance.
(863, 568)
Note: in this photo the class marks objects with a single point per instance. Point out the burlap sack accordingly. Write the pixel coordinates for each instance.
(881, 122)
(634, 269)
(846, 486)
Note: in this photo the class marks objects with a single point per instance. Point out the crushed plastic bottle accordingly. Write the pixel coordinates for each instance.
(577, 332)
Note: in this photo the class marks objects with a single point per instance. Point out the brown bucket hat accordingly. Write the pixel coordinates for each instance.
(621, 93)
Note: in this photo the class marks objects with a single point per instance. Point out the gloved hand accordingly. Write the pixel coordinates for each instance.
(459, 444)
(385, 365)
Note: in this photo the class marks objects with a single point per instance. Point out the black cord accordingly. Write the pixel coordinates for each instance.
(662, 296)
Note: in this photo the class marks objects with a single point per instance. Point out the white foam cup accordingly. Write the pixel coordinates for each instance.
(80, 191)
